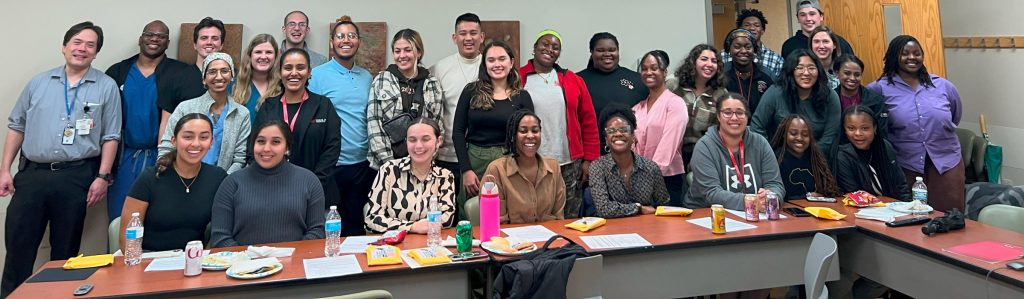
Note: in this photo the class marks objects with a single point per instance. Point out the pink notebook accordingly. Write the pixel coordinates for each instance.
(989, 251)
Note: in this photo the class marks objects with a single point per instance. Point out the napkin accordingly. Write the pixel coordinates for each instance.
(253, 265)
(450, 242)
(879, 214)
(256, 252)
(92, 261)
(824, 213)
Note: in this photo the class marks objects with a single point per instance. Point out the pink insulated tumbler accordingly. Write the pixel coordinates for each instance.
(489, 218)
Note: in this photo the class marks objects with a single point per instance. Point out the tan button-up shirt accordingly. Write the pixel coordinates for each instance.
(523, 201)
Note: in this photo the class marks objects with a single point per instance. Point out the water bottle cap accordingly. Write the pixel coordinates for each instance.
(334, 208)
(489, 187)
(919, 179)
(135, 214)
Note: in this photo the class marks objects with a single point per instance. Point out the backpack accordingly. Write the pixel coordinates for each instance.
(543, 273)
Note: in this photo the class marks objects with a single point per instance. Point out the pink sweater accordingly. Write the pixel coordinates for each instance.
(659, 132)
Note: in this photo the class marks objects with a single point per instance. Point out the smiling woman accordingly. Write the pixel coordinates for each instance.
(802, 89)
(530, 185)
(805, 171)
(310, 118)
(398, 95)
(258, 74)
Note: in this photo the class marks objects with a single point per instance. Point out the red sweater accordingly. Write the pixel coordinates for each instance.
(584, 139)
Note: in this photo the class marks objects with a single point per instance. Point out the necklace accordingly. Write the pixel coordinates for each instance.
(546, 77)
(189, 185)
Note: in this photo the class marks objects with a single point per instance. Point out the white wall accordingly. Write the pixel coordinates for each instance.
(36, 29)
(989, 79)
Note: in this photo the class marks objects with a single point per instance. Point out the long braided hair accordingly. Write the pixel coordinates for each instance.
(512, 128)
(824, 181)
(892, 61)
(167, 160)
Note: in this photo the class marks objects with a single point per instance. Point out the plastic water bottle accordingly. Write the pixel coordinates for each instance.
(490, 222)
(920, 192)
(332, 228)
(433, 223)
(133, 241)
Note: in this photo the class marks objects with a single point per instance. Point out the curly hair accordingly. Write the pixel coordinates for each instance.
(512, 128)
(687, 73)
(483, 88)
(824, 181)
(750, 12)
(614, 110)
(892, 61)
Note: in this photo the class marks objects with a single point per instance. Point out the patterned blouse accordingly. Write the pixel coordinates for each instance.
(613, 198)
(398, 199)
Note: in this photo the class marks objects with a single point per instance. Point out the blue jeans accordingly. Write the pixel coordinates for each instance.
(133, 161)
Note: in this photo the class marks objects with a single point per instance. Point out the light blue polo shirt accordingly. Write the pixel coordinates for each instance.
(349, 91)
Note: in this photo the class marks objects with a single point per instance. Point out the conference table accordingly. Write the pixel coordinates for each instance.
(684, 259)
(905, 259)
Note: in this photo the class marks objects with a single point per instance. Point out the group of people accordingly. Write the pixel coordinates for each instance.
(606, 141)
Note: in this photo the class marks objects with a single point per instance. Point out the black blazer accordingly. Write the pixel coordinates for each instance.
(316, 141)
(875, 101)
(852, 174)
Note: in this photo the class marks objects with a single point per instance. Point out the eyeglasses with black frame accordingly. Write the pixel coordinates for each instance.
(740, 113)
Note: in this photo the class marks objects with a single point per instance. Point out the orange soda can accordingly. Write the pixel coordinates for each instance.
(717, 219)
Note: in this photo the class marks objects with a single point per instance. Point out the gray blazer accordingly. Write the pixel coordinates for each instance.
(236, 130)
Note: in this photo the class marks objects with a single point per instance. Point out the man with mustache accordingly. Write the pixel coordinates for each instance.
(810, 16)
(296, 29)
(151, 85)
(66, 125)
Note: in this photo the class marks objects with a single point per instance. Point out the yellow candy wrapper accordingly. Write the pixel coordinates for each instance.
(383, 255)
(92, 261)
(672, 211)
(427, 256)
(586, 224)
(824, 213)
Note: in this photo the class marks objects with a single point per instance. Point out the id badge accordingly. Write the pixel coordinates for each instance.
(69, 136)
(83, 126)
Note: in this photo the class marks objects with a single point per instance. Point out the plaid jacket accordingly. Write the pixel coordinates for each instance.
(386, 103)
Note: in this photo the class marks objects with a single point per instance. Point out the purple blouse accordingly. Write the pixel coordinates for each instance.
(923, 122)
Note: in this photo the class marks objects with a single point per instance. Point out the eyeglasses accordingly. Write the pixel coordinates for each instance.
(154, 35)
(296, 25)
(731, 113)
(222, 72)
(623, 130)
(350, 35)
(809, 69)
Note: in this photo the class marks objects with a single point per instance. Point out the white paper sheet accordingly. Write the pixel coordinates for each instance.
(267, 251)
(357, 244)
(331, 266)
(762, 215)
(615, 241)
(532, 233)
(413, 263)
(879, 213)
(730, 225)
(166, 264)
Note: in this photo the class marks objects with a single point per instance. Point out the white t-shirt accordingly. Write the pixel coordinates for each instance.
(549, 105)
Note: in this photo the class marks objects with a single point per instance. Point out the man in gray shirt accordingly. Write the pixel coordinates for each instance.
(66, 125)
(296, 29)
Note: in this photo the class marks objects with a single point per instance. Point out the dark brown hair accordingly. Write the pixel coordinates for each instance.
(824, 181)
(167, 160)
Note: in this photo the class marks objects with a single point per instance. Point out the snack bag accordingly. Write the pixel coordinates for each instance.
(391, 237)
(586, 224)
(862, 199)
(672, 211)
(428, 256)
(383, 255)
(824, 213)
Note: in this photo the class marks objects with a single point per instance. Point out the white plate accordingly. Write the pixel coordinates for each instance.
(228, 257)
(276, 267)
(487, 246)
(903, 207)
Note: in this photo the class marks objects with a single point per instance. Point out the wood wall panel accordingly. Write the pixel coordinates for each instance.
(232, 43)
(861, 23)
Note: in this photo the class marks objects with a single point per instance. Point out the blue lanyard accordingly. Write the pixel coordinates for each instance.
(70, 105)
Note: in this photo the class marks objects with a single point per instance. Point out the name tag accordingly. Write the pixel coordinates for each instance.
(319, 120)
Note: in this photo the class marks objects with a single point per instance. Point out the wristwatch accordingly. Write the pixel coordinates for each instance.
(106, 177)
